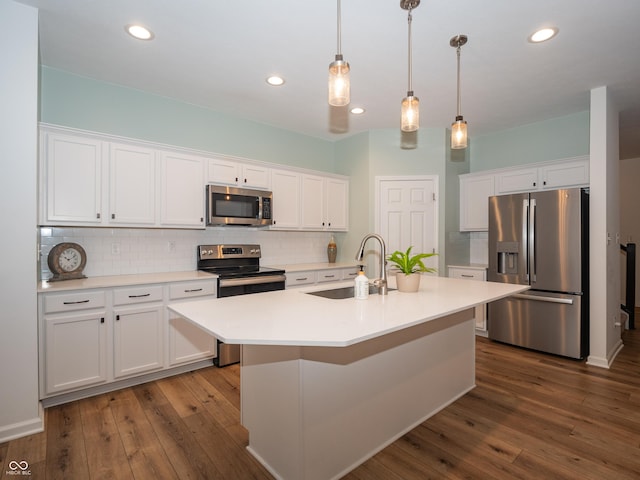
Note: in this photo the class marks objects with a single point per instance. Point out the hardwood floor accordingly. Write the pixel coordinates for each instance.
(532, 416)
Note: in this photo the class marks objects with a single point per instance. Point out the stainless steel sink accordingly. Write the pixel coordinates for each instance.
(343, 292)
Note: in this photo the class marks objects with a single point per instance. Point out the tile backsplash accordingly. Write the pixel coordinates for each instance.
(121, 251)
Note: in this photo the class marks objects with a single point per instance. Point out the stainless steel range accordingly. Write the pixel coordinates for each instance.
(239, 273)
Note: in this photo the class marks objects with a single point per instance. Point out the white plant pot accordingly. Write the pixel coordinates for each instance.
(408, 283)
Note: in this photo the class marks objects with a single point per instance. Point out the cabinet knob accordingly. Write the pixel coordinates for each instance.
(98, 216)
(117, 317)
(102, 320)
(113, 216)
(534, 184)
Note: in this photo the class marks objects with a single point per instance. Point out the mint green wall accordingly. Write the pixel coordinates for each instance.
(561, 137)
(79, 102)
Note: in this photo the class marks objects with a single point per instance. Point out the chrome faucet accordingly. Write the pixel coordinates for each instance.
(381, 282)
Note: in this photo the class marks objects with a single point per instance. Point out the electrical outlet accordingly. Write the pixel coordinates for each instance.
(115, 249)
(171, 247)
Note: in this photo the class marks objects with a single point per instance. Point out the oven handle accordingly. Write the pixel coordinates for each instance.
(232, 282)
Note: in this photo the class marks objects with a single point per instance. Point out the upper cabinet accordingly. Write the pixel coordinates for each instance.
(228, 172)
(181, 190)
(89, 179)
(325, 202)
(476, 188)
(71, 179)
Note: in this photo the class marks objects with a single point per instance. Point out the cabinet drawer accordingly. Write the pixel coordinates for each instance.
(192, 289)
(300, 278)
(74, 301)
(467, 274)
(126, 296)
(329, 276)
(349, 273)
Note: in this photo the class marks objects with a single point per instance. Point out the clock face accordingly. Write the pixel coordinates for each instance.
(70, 259)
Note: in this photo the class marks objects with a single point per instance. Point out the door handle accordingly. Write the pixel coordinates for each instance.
(539, 298)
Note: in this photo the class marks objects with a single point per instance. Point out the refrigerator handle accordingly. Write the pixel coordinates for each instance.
(525, 236)
(532, 240)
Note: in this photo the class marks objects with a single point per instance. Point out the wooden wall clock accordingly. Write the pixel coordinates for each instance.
(67, 261)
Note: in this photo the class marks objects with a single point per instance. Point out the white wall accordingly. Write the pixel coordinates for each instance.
(629, 218)
(20, 412)
(604, 218)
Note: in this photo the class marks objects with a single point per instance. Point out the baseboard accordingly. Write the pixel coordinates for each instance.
(24, 428)
(603, 362)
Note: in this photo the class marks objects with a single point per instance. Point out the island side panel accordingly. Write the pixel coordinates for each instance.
(353, 401)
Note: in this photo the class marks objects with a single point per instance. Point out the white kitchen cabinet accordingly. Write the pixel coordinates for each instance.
(181, 190)
(515, 181)
(229, 172)
(71, 178)
(325, 203)
(298, 279)
(285, 185)
(132, 185)
(565, 174)
(188, 342)
(73, 341)
(475, 191)
(477, 274)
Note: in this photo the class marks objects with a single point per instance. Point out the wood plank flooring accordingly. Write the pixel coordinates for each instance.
(532, 416)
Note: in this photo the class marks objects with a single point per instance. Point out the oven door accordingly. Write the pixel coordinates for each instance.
(229, 287)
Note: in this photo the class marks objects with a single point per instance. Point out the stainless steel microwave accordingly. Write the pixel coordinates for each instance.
(238, 206)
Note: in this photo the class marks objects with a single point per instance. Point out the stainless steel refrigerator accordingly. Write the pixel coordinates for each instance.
(541, 239)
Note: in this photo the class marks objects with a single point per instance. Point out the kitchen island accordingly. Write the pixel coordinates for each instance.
(327, 383)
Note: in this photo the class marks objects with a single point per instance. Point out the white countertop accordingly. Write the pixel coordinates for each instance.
(292, 317)
(122, 280)
(300, 267)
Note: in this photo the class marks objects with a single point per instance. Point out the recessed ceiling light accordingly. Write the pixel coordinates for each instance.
(275, 80)
(139, 32)
(357, 110)
(543, 34)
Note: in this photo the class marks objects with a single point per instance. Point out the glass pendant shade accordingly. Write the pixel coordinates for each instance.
(410, 116)
(339, 83)
(459, 133)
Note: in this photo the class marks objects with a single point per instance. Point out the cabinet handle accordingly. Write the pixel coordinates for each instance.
(201, 219)
(75, 303)
(534, 184)
(113, 216)
(102, 320)
(236, 179)
(139, 296)
(466, 276)
(117, 317)
(301, 279)
(193, 290)
(329, 276)
(544, 183)
(245, 180)
(98, 216)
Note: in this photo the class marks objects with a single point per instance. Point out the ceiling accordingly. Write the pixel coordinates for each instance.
(217, 54)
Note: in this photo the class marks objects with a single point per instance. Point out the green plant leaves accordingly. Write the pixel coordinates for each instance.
(410, 264)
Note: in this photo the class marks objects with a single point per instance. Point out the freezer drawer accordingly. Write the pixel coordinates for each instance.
(547, 322)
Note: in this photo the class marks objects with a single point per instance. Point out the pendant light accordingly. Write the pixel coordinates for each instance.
(339, 83)
(410, 117)
(459, 127)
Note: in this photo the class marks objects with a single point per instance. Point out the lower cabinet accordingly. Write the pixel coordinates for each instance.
(478, 274)
(75, 351)
(305, 278)
(94, 337)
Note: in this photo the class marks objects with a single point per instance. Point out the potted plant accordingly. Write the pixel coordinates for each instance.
(410, 267)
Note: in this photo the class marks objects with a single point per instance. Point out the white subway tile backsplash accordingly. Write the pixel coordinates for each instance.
(121, 251)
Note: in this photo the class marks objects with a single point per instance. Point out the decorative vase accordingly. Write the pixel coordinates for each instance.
(332, 250)
(407, 283)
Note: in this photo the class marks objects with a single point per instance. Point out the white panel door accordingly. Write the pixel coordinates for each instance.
(408, 214)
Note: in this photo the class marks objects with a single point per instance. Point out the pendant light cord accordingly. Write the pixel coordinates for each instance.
(410, 89)
(458, 53)
(339, 29)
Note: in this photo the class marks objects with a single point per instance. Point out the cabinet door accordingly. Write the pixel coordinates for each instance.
(75, 350)
(182, 190)
(312, 202)
(521, 180)
(73, 179)
(475, 191)
(286, 199)
(565, 174)
(337, 204)
(137, 340)
(255, 176)
(223, 172)
(132, 197)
